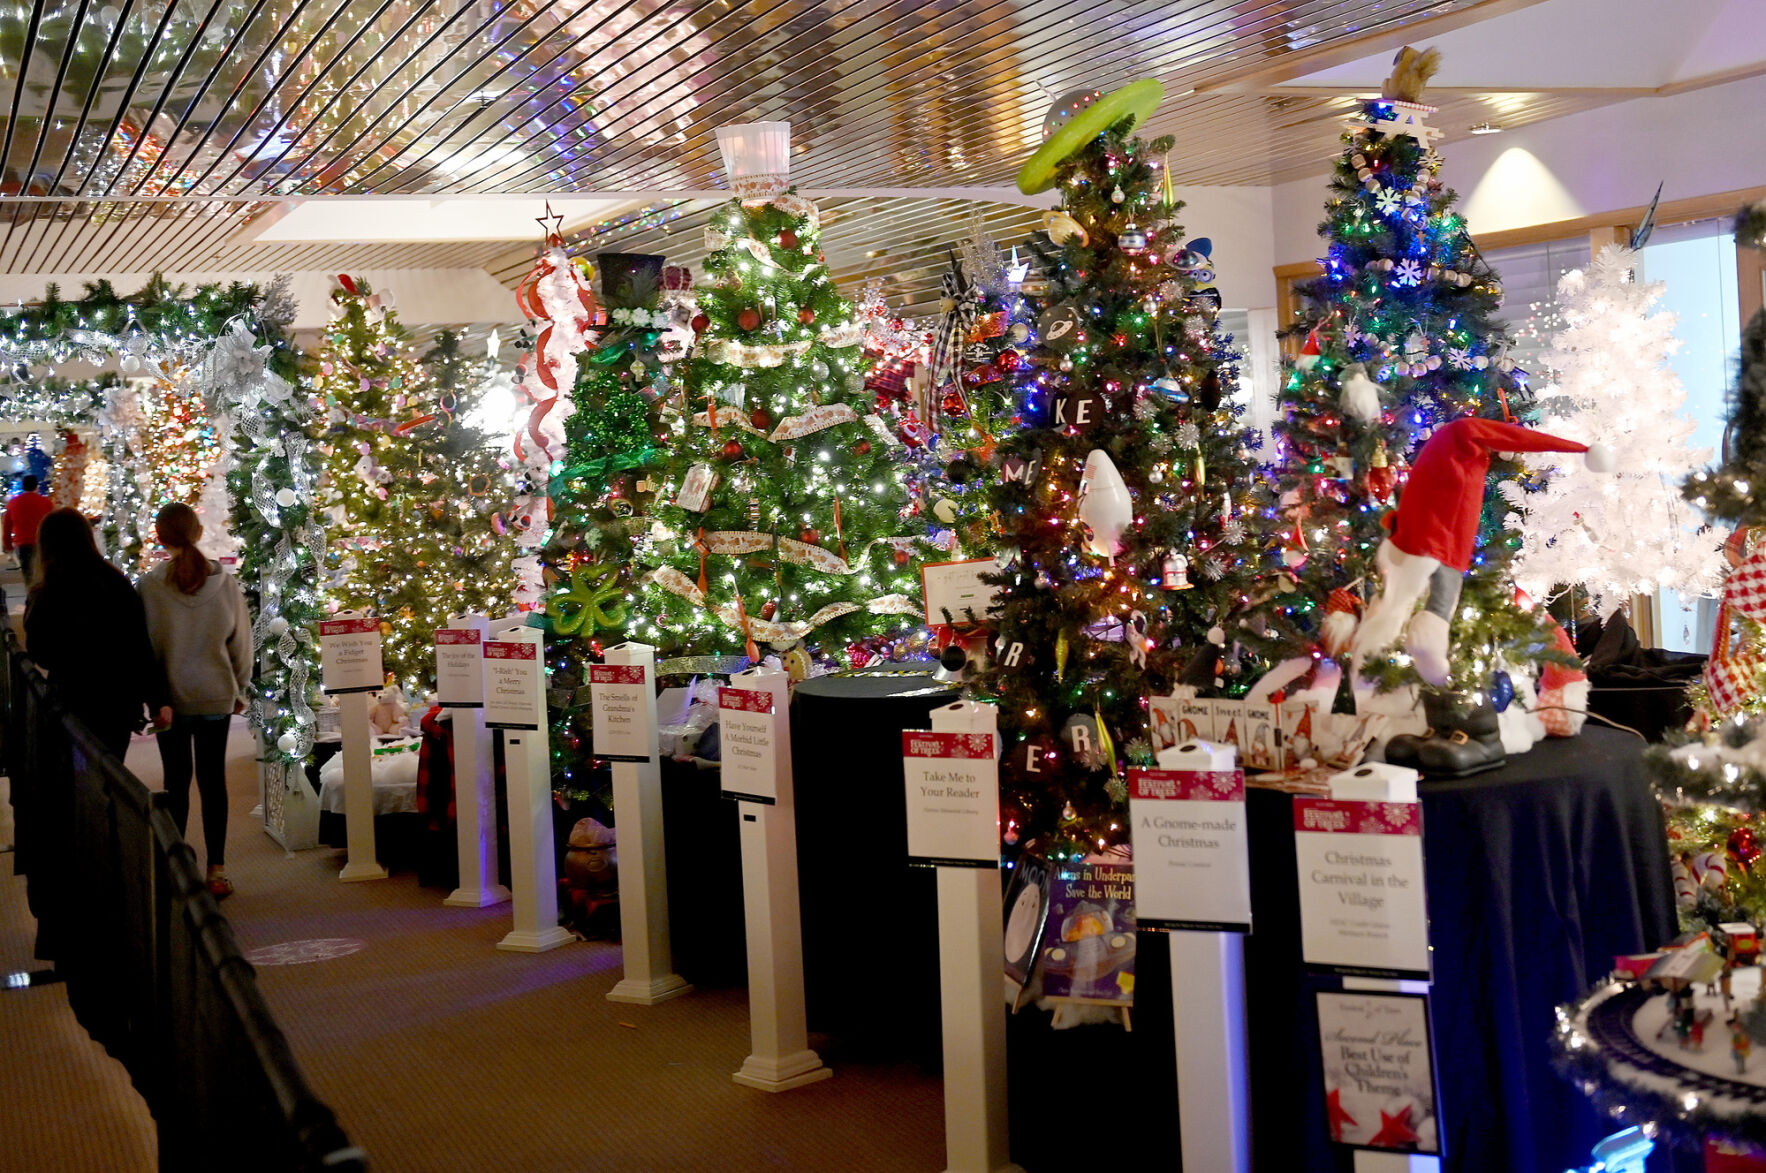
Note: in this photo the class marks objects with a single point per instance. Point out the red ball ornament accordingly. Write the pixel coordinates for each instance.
(810, 535)
(749, 319)
(901, 557)
(788, 239)
(806, 315)
(862, 448)
(1744, 846)
(699, 323)
(732, 450)
(1008, 360)
(768, 609)
(761, 418)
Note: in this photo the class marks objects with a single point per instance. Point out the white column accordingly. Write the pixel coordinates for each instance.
(1208, 1022)
(971, 952)
(643, 862)
(779, 1035)
(358, 789)
(475, 797)
(1379, 782)
(533, 870)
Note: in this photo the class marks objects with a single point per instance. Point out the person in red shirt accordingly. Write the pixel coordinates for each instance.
(24, 513)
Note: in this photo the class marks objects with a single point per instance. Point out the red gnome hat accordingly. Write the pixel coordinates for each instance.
(1436, 525)
(1437, 516)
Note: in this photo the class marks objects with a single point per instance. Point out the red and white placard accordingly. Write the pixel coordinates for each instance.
(1192, 861)
(514, 676)
(618, 694)
(953, 799)
(349, 655)
(459, 667)
(1363, 907)
(748, 738)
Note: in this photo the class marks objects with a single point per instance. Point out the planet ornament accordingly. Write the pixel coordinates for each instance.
(1135, 102)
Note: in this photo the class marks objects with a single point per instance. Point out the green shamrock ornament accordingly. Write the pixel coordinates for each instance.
(588, 603)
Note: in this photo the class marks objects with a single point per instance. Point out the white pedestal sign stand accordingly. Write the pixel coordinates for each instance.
(459, 676)
(623, 694)
(1382, 783)
(515, 702)
(1208, 1013)
(350, 669)
(952, 778)
(754, 712)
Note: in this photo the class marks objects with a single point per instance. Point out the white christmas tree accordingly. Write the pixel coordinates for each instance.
(1629, 533)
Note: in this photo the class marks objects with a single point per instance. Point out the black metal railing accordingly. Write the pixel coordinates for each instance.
(152, 968)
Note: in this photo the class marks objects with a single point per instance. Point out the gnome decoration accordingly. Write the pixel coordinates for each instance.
(1432, 533)
(591, 881)
(1563, 692)
(1359, 395)
(1104, 505)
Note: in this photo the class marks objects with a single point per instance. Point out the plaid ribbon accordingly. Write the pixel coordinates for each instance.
(954, 327)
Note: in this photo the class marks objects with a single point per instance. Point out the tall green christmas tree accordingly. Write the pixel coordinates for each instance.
(1401, 336)
(781, 524)
(603, 489)
(407, 481)
(1129, 509)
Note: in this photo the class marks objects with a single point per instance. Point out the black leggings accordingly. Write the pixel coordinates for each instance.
(209, 736)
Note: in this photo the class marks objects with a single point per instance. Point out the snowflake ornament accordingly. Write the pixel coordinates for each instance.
(1213, 569)
(1407, 272)
(1189, 435)
(1459, 358)
(1233, 532)
(1145, 408)
(1388, 202)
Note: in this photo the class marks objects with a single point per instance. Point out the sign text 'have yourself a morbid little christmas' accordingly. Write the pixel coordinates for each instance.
(513, 678)
(349, 655)
(619, 695)
(953, 799)
(747, 737)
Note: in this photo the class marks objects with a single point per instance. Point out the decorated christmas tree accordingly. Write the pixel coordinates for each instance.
(976, 362)
(601, 492)
(781, 524)
(1400, 338)
(1127, 504)
(461, 552)
(400, 473)
(1734, 681)
(1613, 535)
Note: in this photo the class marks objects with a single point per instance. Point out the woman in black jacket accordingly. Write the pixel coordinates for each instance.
(85, 626)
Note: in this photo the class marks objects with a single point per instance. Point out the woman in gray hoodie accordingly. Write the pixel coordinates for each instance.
(201, 633)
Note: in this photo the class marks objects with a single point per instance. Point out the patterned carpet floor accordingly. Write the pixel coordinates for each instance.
(440, 1053)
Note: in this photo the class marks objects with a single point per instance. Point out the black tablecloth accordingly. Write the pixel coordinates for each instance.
(1538, 874)
(870, 922)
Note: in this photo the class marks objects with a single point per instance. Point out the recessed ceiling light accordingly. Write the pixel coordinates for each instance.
(1486, 128)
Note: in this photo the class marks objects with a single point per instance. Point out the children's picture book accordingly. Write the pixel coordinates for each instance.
(1260, 737)
(1026, 916)
(1088, 937)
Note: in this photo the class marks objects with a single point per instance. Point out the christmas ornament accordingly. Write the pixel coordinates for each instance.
(788, 239)
(1174, 572)
(945, 510)
(761, 418)
(862, 448)
(748, 319)
(1359, 395)
(1382, 478)
(1061, 228)
(1104, 505)
(1034, 759)
(1743, 847)
(696, 488)
(1080, 409)
(286, 497)
(1342, 612)
(1059, 326)
(806, 315)
(1085, 743)
(699, 323)
(1502, 691)
(810, 536)
(732, 450)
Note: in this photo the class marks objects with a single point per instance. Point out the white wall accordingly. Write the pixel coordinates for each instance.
(1237, 220)
(1696, 143)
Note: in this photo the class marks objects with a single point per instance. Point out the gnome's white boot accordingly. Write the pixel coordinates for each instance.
(1426, 641)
